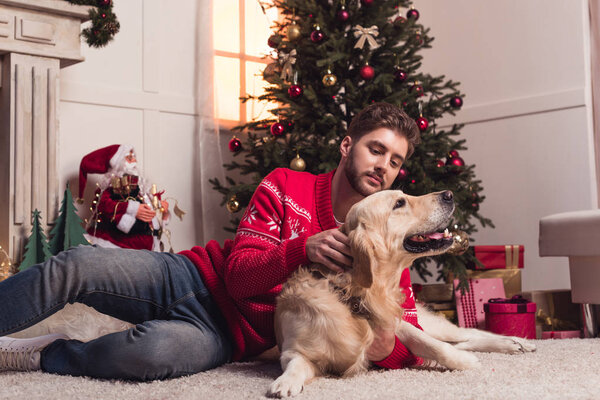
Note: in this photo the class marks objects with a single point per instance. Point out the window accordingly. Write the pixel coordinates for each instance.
(240, 34)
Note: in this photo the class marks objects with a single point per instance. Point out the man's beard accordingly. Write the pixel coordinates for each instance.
(355, 178)
(130, 168)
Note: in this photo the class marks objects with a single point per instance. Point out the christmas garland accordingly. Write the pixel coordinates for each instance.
(104, 22)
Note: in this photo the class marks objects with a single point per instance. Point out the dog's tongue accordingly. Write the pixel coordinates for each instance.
(435, 235)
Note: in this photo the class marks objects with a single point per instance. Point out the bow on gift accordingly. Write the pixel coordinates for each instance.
(366, 34)
(287, 60)
(516, 299)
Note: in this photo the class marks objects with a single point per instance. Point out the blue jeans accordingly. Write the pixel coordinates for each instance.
(179, 329)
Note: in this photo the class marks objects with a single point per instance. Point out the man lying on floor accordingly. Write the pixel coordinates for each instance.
(205, 307)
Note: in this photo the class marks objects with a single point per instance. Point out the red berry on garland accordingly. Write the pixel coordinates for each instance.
(367, 72)
(439, 163)
(295, 91)
(103, 3)
(367, 2)
(456, 102)
(273, 41)
(289, 125)
(400, 74)
(103, 16)
(417, 89)
(317, 36)
(277, 129)
(343, 15)
(413, 14)
(452, 153)
(235, 145)
(475, 206)
(402, 174)
(422, 123)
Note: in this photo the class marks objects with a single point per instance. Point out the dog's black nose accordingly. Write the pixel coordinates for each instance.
(447, 197)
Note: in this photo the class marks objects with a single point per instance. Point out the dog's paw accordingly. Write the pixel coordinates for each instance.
(461, 360)
(284, 386)
(516, 345)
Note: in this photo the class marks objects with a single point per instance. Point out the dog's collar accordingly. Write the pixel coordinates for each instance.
(354, 303)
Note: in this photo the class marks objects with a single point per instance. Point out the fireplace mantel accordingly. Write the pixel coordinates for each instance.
(37, 39)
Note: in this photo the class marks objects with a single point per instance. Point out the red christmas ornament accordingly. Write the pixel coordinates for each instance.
(400, 74)
(456, 102)
(277, 129)
(367, 2)
(452, 153)
(417, 89)
(104, 3)
(422, 123)
(402, 174)
(399, 20)
(235, 145)
(439, 163)
(103, 15)
(455, 161)
(343, 15)
(317, 36)
(367, 72)
(413, 14)
(295, 91)
(273, 41)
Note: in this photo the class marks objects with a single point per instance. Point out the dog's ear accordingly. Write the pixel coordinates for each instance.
(363, 256)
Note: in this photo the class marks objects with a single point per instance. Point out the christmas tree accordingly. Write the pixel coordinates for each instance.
(36, 250)
(332, 59)
(68, 230)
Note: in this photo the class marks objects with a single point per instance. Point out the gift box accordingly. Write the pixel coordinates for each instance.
(561, 335)
(498, 257)
(469, 305)
(555, 311)
(511, 317)
(511, 279)
(435, 293)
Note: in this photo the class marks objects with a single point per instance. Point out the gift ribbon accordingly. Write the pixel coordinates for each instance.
(512, 256)
(287, 60)
(516, 299)
(366, 34)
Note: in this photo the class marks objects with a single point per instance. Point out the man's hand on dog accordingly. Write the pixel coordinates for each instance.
(330, 248)
(383, 344)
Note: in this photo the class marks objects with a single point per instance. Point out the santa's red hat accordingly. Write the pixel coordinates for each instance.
(101, 161)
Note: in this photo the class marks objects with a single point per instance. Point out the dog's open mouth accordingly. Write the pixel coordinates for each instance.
(423, 242)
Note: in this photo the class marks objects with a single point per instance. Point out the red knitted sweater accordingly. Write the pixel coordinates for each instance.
(246, 275)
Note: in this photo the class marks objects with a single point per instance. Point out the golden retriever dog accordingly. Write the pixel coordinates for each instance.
(324, 322)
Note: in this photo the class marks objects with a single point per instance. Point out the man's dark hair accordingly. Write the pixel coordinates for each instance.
(385, 115)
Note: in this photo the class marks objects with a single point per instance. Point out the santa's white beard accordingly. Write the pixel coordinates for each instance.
(130, 168)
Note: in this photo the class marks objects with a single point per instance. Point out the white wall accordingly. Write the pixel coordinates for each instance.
(140, 90)
(523, 66)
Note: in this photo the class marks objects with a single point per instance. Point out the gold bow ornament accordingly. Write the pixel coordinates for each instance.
(366, 35)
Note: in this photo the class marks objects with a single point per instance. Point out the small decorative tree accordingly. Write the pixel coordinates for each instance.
(36, 250)
(68, 230)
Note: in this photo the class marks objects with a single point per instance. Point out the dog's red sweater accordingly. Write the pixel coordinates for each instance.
(246, 275)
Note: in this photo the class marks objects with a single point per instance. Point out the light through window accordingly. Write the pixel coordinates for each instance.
(240, 33)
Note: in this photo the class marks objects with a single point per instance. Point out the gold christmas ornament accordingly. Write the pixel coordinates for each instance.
(233, 205)
(460, 242)
(6, 265)
(329, 79)
(293, 32)
(298, 164)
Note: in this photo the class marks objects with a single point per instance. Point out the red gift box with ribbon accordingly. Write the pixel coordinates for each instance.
(498, 257)
(510, 317)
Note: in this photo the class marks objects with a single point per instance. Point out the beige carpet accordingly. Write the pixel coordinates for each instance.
(560, 369)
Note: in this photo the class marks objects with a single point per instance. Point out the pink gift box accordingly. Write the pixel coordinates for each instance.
(511, 317)
(561, 334)
(469, 306)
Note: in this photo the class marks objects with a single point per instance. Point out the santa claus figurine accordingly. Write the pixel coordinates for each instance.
(125, 213)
